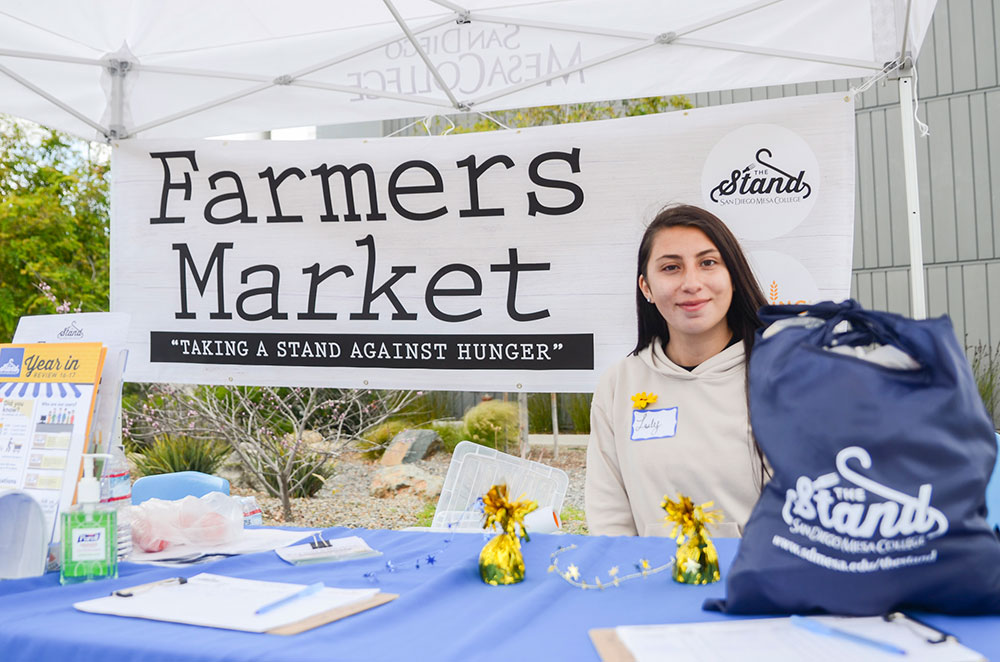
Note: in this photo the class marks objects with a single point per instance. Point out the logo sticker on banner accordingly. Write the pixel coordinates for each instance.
(762, 179)
(782, 278)
(501, 260)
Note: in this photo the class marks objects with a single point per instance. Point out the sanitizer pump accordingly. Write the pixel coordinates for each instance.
(88, 532)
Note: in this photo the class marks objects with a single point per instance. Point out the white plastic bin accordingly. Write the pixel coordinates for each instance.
(475, 469)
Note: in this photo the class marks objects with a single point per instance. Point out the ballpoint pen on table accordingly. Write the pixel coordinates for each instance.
(142, 588)
(305, 592)
(817, 627)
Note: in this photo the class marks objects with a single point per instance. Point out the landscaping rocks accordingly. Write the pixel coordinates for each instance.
(410, 446)
(405, 478)
(345, 499)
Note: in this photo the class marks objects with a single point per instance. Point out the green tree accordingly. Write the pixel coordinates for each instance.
(578, 112)
(54, 223)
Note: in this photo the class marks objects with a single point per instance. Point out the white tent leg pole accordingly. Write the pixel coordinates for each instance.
(917, 289)
(555, 426)
(522, 422)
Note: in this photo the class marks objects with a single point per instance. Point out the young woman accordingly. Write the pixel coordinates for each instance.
(697, 303)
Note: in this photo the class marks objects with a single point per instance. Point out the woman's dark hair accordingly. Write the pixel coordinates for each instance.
(747, 296)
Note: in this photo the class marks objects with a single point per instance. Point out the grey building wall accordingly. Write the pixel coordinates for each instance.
(958, 172)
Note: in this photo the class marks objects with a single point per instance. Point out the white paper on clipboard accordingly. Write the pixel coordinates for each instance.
(220, 601)
(778, 640)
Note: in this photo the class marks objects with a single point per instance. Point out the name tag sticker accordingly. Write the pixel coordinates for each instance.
(653, 423)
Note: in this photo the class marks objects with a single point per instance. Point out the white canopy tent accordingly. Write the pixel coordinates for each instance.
(115, 69)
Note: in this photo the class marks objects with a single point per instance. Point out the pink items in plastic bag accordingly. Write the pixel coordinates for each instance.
(213, 519)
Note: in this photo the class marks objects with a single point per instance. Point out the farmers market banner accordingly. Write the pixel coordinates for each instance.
(489, 261)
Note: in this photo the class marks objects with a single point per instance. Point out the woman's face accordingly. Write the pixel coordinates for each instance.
(689, 284)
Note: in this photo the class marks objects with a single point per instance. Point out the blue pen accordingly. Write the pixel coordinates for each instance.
(827, 631)
(305, 592)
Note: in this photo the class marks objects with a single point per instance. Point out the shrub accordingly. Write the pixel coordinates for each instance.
(433, 406)
(312, 469)
(578, 407)
(985, 362)
(169, 454)
(493, 423)
(540, 413)
(450, 433)
(374, 442)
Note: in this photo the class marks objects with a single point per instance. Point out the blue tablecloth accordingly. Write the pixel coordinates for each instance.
(444, 611)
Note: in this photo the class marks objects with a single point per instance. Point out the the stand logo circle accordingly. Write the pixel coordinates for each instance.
(762, 180)
(782, 278)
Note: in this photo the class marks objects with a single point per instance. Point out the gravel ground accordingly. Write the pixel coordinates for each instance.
(345, 501)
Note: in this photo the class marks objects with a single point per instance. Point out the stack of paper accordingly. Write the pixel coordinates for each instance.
(321, 550)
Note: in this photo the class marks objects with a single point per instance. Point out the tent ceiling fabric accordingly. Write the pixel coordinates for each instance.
(187, 68)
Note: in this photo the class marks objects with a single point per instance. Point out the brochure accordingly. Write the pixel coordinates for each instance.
(47, 396)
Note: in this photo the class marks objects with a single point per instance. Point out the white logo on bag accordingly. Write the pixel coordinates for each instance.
(846, 511)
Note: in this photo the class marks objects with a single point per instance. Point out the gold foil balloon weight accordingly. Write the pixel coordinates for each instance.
(696, 562)
(501, 561)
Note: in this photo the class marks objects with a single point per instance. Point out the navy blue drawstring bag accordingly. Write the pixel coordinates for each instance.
(876, 502)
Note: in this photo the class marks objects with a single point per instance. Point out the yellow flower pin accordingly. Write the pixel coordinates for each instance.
(641, 400)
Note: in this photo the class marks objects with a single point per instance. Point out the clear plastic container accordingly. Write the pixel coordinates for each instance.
(116, 492)
(474, 469)
(252, 515)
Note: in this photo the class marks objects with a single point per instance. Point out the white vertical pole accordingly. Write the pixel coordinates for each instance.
(522, 421)
(555, 426)
(917, 293)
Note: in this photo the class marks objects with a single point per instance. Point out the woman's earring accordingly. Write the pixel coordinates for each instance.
(649, 299)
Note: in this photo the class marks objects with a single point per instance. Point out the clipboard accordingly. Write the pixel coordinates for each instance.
(231, 603)
(777, 640)
(609, 646)
(334, 615)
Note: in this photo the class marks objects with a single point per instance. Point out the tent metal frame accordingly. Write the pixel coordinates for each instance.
(121, 69)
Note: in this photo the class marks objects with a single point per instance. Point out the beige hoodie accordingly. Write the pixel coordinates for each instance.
(695, 439)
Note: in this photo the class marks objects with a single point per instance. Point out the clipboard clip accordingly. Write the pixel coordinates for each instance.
(142, 588)
(319, 542)
(920, 628)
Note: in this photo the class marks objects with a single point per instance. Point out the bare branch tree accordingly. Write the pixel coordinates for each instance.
(285, 437)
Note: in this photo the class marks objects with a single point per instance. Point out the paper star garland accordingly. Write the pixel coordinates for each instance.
(572, 573)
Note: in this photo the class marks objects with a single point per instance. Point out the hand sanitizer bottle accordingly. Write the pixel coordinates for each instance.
(88, 532)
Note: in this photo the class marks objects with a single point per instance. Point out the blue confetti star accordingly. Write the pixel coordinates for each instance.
(431, 560)
(370, 575)
(390, 567)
